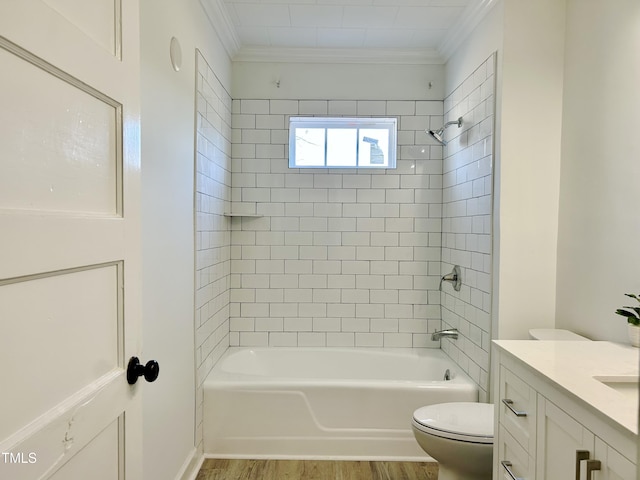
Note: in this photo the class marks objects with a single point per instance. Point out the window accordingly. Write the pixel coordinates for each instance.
(320, 142)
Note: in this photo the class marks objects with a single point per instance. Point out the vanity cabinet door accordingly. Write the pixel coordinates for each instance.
(559, 438)
(613, 466)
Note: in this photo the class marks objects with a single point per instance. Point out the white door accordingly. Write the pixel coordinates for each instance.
(69, 239)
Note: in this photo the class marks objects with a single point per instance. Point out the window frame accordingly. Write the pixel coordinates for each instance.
(390, 124)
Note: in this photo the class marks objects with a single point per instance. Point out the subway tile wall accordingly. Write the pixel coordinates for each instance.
(212, 228)
(334, 257)
(311, 257)
(467, 222)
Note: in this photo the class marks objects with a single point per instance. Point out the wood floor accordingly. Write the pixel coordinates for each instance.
(237, 469)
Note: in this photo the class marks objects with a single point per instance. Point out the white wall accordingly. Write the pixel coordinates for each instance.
(529, 165)
(485, 39)
(337, 81)
(599, 227)
(527, 152)
(168, 99)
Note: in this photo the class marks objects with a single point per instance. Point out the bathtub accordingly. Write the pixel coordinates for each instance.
(324, 402)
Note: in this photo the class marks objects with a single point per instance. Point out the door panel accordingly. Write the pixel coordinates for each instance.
(99, 460)
(56, 242)
(58, 436)
(79, 311)
(98, 19)
(69, 239)
(61, 150)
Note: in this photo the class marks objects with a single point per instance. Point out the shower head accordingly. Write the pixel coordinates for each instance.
(439, 134)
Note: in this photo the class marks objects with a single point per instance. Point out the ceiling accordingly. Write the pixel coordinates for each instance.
(355, 25)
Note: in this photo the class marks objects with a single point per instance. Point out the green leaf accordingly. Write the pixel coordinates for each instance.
(626, 313)
(637, 309)
(631, 295)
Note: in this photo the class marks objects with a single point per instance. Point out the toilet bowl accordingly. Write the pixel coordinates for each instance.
(459, 436)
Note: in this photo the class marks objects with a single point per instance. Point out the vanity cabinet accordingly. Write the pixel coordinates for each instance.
(544, 433)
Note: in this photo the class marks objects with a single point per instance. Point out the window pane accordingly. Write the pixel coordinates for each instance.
(342, 142)
(374, 145)
(309, 147)
(342, 147)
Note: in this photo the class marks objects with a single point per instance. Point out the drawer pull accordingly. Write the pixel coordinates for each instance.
(508, 402)
(507, 466)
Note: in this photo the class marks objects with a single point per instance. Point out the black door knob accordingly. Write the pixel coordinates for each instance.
(135, 369)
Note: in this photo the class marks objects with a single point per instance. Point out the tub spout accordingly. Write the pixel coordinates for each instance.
(449, 333)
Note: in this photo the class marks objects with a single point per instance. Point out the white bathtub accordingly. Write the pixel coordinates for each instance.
(324, 402)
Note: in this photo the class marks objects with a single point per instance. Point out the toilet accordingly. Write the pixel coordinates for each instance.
(459, 435)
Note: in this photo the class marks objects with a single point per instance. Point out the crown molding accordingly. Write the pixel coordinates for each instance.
(222, 24)
(470, 19)
(339, 55)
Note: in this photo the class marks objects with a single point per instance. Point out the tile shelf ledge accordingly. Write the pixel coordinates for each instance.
(250, 215)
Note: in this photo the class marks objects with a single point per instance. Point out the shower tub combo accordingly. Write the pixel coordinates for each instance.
(325, 402)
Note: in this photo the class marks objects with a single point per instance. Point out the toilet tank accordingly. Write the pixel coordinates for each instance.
(555, 334)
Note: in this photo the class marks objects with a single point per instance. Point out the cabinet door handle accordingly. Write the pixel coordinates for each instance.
(592, 466)
(518, 413)
(581, 455)
(507, 466)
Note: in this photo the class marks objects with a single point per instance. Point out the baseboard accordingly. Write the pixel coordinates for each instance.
(191, 466)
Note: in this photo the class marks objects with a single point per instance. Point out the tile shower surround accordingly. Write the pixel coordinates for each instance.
(342, 257)
(467, 199)
(212, 230)
(339, 257)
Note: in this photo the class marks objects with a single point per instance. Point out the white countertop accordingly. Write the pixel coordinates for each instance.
(572, 366)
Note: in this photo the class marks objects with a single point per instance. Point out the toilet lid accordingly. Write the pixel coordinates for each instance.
(466, 421)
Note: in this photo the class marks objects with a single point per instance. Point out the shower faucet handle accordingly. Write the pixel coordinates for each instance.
(455, 277)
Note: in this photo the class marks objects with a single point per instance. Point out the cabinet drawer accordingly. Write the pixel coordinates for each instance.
(513, 457)
(517, 408)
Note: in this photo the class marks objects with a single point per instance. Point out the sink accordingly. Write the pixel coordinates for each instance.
(627, 385)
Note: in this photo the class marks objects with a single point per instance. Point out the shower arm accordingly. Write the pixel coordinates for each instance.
(457, 122)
